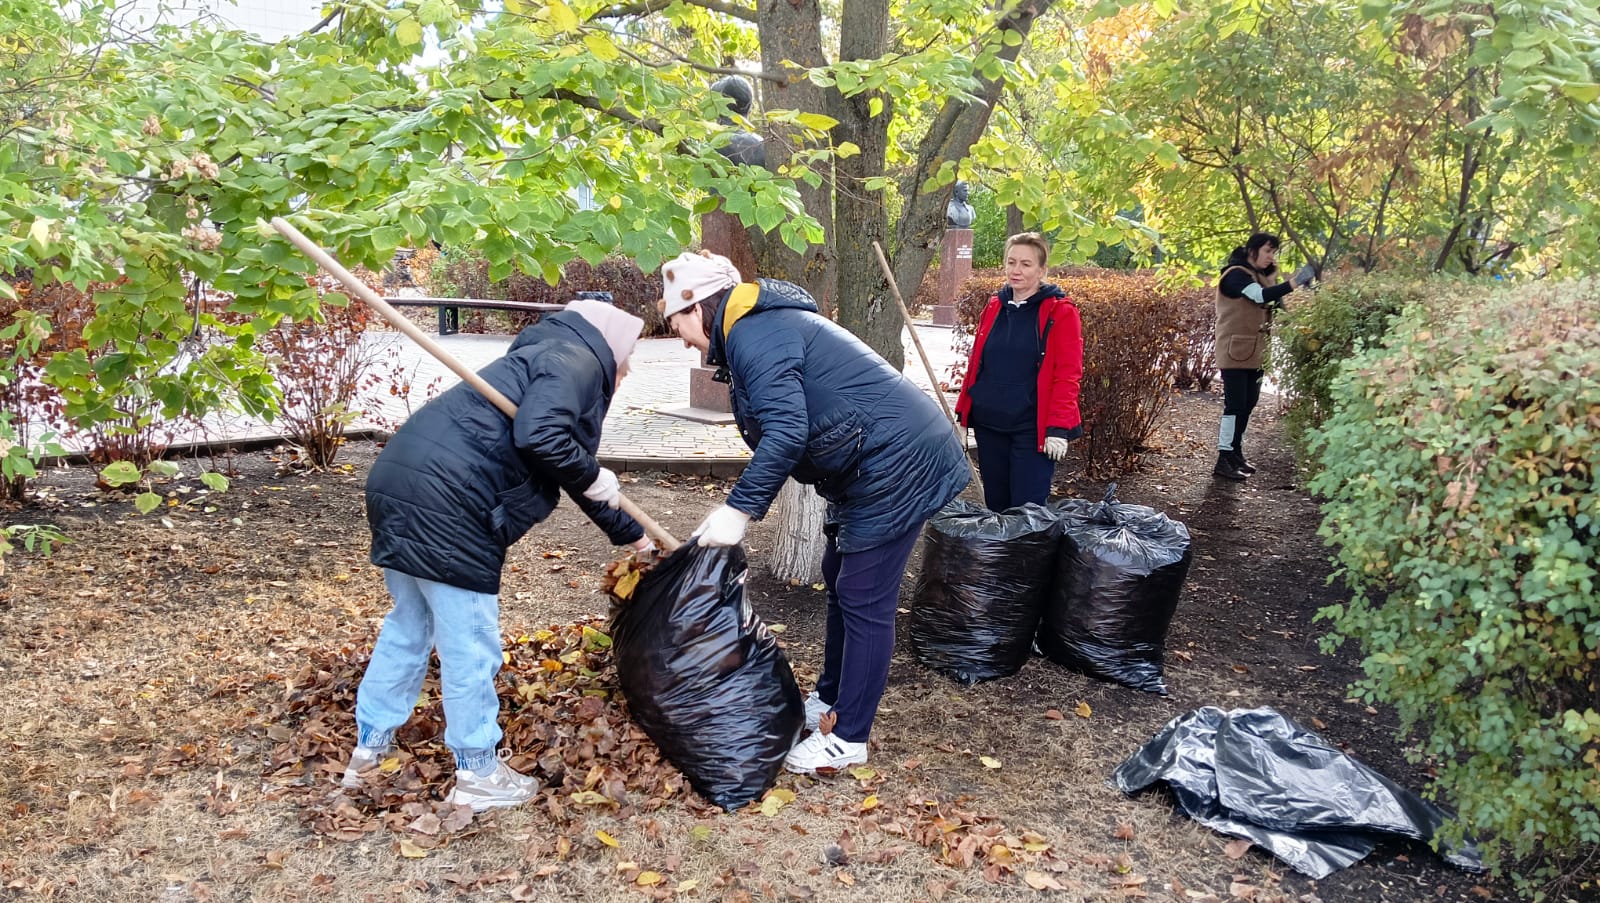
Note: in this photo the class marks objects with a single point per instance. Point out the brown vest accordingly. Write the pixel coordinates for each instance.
(1242, 327)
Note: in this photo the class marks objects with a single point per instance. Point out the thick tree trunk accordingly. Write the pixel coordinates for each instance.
(797, 544)
(865, 307)
(952, 134)
(791, 33)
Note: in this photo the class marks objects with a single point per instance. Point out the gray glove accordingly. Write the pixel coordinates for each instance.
(1303, 276)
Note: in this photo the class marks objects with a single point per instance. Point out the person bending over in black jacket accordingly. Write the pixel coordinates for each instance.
(458, 484)
(813, 402)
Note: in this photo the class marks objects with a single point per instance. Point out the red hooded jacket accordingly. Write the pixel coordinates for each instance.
(1060, 373)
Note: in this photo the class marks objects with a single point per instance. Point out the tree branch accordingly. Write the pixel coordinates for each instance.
(645, 7)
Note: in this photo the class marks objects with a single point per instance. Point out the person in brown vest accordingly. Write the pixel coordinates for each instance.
(1247, 294)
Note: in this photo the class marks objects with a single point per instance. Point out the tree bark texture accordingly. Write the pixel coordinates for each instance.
(798, 542)
(791, 32)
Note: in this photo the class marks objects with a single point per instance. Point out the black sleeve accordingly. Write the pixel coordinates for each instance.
(618, 527)
(1235, 281)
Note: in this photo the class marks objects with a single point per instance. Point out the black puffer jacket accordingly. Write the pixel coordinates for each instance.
(460, 482)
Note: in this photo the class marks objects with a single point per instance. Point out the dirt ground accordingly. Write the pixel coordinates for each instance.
(178, 692)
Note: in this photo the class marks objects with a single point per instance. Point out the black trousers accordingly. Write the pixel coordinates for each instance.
(1241, 389)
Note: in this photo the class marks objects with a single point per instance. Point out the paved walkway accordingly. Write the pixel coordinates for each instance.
(637, 436)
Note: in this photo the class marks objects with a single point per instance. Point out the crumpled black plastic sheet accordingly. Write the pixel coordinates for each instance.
(704, 676)
(1256, 774)
(1119, 574)
(983, 582)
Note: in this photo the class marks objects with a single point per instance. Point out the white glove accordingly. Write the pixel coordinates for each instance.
(605, 489)
(723, 527)
(1055, 448)
(644, 548)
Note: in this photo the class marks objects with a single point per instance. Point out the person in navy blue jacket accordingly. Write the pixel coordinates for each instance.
(1020, 392)
(456, 486)
(814, 403)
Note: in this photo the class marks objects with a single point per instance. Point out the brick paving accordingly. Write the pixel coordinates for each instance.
(637, 436)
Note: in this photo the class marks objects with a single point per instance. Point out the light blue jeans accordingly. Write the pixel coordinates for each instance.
(465, 627)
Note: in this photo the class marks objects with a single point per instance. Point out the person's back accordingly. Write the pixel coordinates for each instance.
(872, 443)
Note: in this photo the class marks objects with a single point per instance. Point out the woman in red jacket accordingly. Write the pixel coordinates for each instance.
(1020, 395)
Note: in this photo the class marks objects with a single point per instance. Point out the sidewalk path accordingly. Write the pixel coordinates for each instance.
(636, 435)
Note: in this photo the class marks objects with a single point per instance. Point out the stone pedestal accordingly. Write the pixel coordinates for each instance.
(955, 266)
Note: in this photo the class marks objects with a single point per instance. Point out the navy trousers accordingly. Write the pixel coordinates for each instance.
(1013, 470)
(863, 594)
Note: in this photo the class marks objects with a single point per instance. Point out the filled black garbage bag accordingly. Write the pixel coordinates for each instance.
(1256, 774)
(983, 583)
(704, 676)
(1118, 577)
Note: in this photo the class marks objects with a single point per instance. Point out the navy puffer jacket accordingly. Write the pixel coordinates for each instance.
(461, 482)
(815, 403)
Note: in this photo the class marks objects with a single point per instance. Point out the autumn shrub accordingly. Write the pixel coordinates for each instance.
(632, 290)
(324, 372)
(1196, 367)
(1457, 464)
(1318, 332)
(30, 408)
(116, 407)
(422, 265)
(1133, 345)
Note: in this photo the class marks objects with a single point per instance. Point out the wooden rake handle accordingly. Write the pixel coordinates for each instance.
(398, 320)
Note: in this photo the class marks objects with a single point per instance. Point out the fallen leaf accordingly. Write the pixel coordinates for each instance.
(1041, 881)
(686, 886)
(870, 802)
(606, 839)
(775, 800)
(989, 761)
(648, 879)
(1053, 714)
(546, 871)
(863, 773)
(523, 893)
(1308, 667)
(1240, 669)
(1083, 710)
(1318, 723)
(1243, 891)
(1124, 831)
(411, 850)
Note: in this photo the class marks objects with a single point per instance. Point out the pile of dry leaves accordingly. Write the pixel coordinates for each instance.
(567, 723)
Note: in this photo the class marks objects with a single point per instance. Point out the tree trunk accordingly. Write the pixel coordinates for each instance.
(798, 542)
(865, 307)
(1013, 220)
(790, 37)
(952, 134)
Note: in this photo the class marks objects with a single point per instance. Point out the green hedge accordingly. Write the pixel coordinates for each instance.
(1458, 468)
(1317, 332)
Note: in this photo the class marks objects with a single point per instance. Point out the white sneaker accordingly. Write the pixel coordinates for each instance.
(824, 754)
(815, 709)
(362, 760)
(503, 787)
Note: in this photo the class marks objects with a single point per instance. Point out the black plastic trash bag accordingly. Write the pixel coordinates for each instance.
(984, 579)
(704, 677)
(1117, 582)
(1256, 774)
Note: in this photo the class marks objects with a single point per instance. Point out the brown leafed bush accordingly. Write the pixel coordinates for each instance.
(632, 290)
(421, 267)
(324, 371)
(1197, 339)
(1136, 338)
